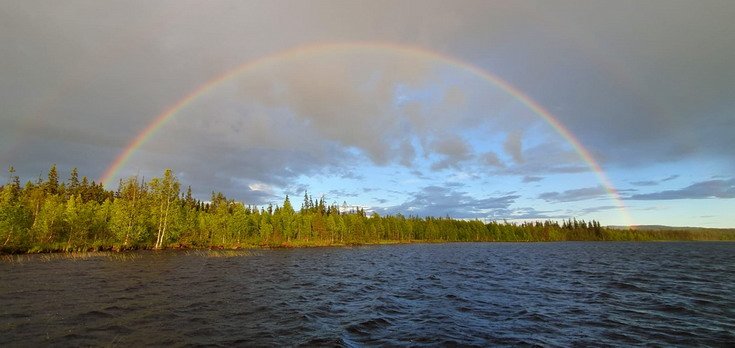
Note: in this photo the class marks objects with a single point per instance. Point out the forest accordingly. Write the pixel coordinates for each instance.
(81, 215)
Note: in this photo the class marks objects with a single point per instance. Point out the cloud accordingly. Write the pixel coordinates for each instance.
(645, 183)
(491, 159)
(529, 179)
(296, 190)
(79, 85)
(546, 158)
(527, 213)
(443, 201)
(590, 210)
(680, 83)
(574, 194)
(418, 174)
(596, 91)
(513, 146)
(699, 190)
(455, 97)
(253, 193)
(340, 194)
(407, 153)
(453, 151)
(670, 177)
(654, 182)
(455, 184)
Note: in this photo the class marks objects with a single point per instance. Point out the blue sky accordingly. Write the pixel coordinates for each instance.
(647, 88)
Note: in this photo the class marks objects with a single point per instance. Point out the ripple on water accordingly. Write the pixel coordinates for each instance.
(534, 294)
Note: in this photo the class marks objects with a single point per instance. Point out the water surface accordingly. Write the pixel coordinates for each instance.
(551, 294)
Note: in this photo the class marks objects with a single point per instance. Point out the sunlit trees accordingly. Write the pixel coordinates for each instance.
(79, 219)
(237, 224)
(14, 217)
(188, 219)
(48, 226)
(286, 220)
(74, 181)
(99, 232)
(164, 193)
(217, 219)
(128, 214)
(266, 228)
(47, 215)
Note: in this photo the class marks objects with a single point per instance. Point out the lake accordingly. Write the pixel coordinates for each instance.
(550, 294)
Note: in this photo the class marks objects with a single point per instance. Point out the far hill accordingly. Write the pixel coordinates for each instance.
(665, 228)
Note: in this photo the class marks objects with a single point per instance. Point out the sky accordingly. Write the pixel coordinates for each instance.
(618, 111)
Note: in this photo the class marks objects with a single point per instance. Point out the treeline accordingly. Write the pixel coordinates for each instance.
(51, 215)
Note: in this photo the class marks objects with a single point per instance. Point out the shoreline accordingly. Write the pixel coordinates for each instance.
(290, 245)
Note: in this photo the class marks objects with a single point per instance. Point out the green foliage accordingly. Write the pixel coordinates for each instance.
(164, 195)
(52, 216)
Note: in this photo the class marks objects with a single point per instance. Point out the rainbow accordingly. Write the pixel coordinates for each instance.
(325, 48)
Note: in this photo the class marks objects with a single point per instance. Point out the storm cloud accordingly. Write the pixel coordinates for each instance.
(637, 85)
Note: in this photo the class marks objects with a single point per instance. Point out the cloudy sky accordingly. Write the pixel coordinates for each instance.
(412, 107)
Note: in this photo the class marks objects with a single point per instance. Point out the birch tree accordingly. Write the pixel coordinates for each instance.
(165, 193)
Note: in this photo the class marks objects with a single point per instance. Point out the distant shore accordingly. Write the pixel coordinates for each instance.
(79, 215)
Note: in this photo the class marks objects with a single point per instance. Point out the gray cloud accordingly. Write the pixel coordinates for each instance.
(381, 200)
(546, 158)
(666, 76)
(636, 83)
(529, 179)
(296, 190)
(527, 213)
(407, 153)
(654, 182)
(670, 177)
(590, 210)
(574, 194)
(442, 201)
(341, 194)
(699, 190)
(645, 183)
(491, 159)
(514, 147)
(257, 197)
(455, 184)
(453, 149)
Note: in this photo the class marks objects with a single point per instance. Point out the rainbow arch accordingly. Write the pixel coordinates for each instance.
(325, 48)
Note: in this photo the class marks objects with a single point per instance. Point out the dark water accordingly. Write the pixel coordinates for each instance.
(563, 294)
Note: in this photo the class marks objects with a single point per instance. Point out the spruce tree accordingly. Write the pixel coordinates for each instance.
(74, 181)
(52, 184)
